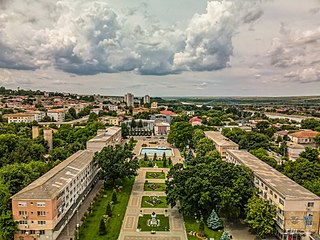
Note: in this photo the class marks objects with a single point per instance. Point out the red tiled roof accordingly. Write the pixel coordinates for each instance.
(195, 119)
(166, 112)
(304, 134)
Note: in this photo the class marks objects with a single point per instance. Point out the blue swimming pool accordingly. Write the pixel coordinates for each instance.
(159, 151)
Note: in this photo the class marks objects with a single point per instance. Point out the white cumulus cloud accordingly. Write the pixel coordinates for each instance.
(90, 37)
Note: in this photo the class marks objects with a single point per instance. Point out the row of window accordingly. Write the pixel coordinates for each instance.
(24, 204)
(39, 213)
(259, 182)
(41, 223)
(41, 232)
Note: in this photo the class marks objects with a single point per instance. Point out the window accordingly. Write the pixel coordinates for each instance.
(22, 204)
(310, 204)
(41, 204)
(42, 232)
(23, 222)
(41, 222)
(281, 212)
(271, 192)
(281, 201)
(275, 196)
(23, 231)
(41, 213)
(22, 213)
(32, 232)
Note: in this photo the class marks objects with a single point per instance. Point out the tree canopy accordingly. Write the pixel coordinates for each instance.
(260, 216)
(116, 163)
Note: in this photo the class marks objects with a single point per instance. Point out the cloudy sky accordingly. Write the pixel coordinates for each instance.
(162, 47)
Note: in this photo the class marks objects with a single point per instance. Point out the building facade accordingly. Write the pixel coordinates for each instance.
(303, 137)
(298, 209)
(43, 208)
(57, 115)
(146, 99)
(129, 99)
(20, 118)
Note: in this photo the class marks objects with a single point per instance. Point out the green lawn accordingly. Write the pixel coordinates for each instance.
(158, 162)
(155, 175)
(145, 204)
(164, 223)
(90, 228)
(160, 187)
(192, 225)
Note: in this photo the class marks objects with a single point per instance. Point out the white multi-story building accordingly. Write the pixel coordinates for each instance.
(110, 136)
(146, 99)
(58, 115)
(298, 209)
(129, 99)
(20, 118)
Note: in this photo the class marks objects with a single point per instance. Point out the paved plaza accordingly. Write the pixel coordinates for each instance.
(130, 223)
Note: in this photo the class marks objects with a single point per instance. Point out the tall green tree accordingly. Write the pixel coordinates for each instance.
(116, 162)
(7, 225)
(180, 134)
(124, 130)
(260, 216)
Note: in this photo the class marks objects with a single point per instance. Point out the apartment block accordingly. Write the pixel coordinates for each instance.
(298, 209)
(146, 99)
(221, 143)
(110, 136)
(20, 118)
(129, 99)
(57, 114)
(109, 120)
(43, 208)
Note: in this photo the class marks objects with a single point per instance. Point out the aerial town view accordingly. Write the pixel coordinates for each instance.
(159, 120)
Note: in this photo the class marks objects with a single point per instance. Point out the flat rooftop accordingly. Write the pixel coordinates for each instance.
(219, 139)
(288, 188)
(102, 137)
(51, 183)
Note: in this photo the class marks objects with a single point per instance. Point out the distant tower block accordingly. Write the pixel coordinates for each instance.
(47, 135)
(35, 132)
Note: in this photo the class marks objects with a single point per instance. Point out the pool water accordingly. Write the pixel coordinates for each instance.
(159, 151)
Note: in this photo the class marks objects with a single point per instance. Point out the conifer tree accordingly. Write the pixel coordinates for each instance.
(164, 159)
(213, 221)
(109, 211)
(155, 157)
(114, 197)
(102, 228)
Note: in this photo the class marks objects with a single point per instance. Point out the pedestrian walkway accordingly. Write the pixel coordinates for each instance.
(130, 224)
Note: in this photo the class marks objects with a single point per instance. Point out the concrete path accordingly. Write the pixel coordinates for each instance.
(130, 223)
